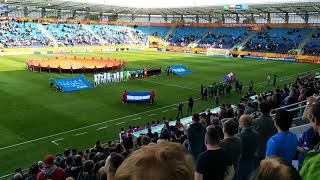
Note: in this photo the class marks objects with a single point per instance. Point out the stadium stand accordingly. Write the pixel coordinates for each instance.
(224, 37)
(276, 40)
(154, 30)
(312, 46)
(71, 34)
(21, 34)
(182, 36)
(118, 35)
(185, 151)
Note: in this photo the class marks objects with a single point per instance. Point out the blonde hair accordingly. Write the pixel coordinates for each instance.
(165, 161)
(276, 168)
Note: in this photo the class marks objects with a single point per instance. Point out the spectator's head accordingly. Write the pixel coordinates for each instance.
(283, 120)
(265, 107)
(48, 161)
(212, 137)
(315, 114)
(88, 166)
(145, 140)
(276, 168)
(17, 176)
(77, 160)
(34, 169)
(165, 161)
(245, 121)
(66, 152)
(69, 161)
(195, 117)
(113, 162)
(230, 128)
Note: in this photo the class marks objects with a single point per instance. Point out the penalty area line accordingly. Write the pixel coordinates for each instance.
(120, 123)
(55, 141)
(103, 127)
(79, 134)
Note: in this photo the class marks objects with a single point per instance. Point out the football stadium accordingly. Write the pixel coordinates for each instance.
(163, 90)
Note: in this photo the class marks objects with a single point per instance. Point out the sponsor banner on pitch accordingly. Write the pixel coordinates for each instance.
(180, 70)
(72, 84)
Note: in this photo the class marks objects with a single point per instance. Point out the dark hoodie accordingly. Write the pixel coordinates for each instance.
(196, 136)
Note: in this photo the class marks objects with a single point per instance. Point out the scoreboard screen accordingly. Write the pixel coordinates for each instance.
(236, 7)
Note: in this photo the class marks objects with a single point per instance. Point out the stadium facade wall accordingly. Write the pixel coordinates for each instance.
(292, 25)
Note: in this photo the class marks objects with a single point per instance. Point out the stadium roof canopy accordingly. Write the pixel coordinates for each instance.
(173, 7)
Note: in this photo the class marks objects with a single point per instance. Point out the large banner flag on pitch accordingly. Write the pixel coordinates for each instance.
(138, 96)
(72, 84)
(180, 70)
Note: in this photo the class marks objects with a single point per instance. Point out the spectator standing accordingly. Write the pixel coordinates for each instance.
(249, 144)
(284, 143)
(50, 170)
(214, 163)
(311, 163)
(265, 127)
(231, 144)
(196, 136)
(113, 162)
(87, 171)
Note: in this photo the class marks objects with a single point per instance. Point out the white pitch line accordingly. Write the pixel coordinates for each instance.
(151, 115)
(104, 127)
(119, 123)
(55, 141)
(165, 111)
(136, 119)
(79, 134)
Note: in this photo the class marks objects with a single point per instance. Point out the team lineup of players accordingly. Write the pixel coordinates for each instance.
(104, 78)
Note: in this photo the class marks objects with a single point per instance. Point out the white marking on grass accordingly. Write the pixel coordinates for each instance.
(104, 127)
(165, 111)
(136, 119)
(79, 134)
(55, 141)
(151, 115)
(120, 123)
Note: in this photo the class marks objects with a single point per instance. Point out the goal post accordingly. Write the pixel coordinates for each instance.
(218, 52)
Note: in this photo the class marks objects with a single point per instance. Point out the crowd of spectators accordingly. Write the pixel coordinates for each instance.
(71, 34)
(276, 40)
(119, 35)
(242, 143)
(14, 33)
(221, 40)
(312, 46)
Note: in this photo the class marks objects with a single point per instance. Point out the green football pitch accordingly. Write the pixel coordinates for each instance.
(36, 120)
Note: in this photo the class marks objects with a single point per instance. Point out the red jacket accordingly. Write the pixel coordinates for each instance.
(57, 175)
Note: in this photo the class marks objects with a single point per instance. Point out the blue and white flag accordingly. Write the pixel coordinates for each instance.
(180, 70)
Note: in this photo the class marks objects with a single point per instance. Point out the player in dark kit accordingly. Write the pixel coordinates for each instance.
(179, 108)
(190, 105)
(274, 80)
